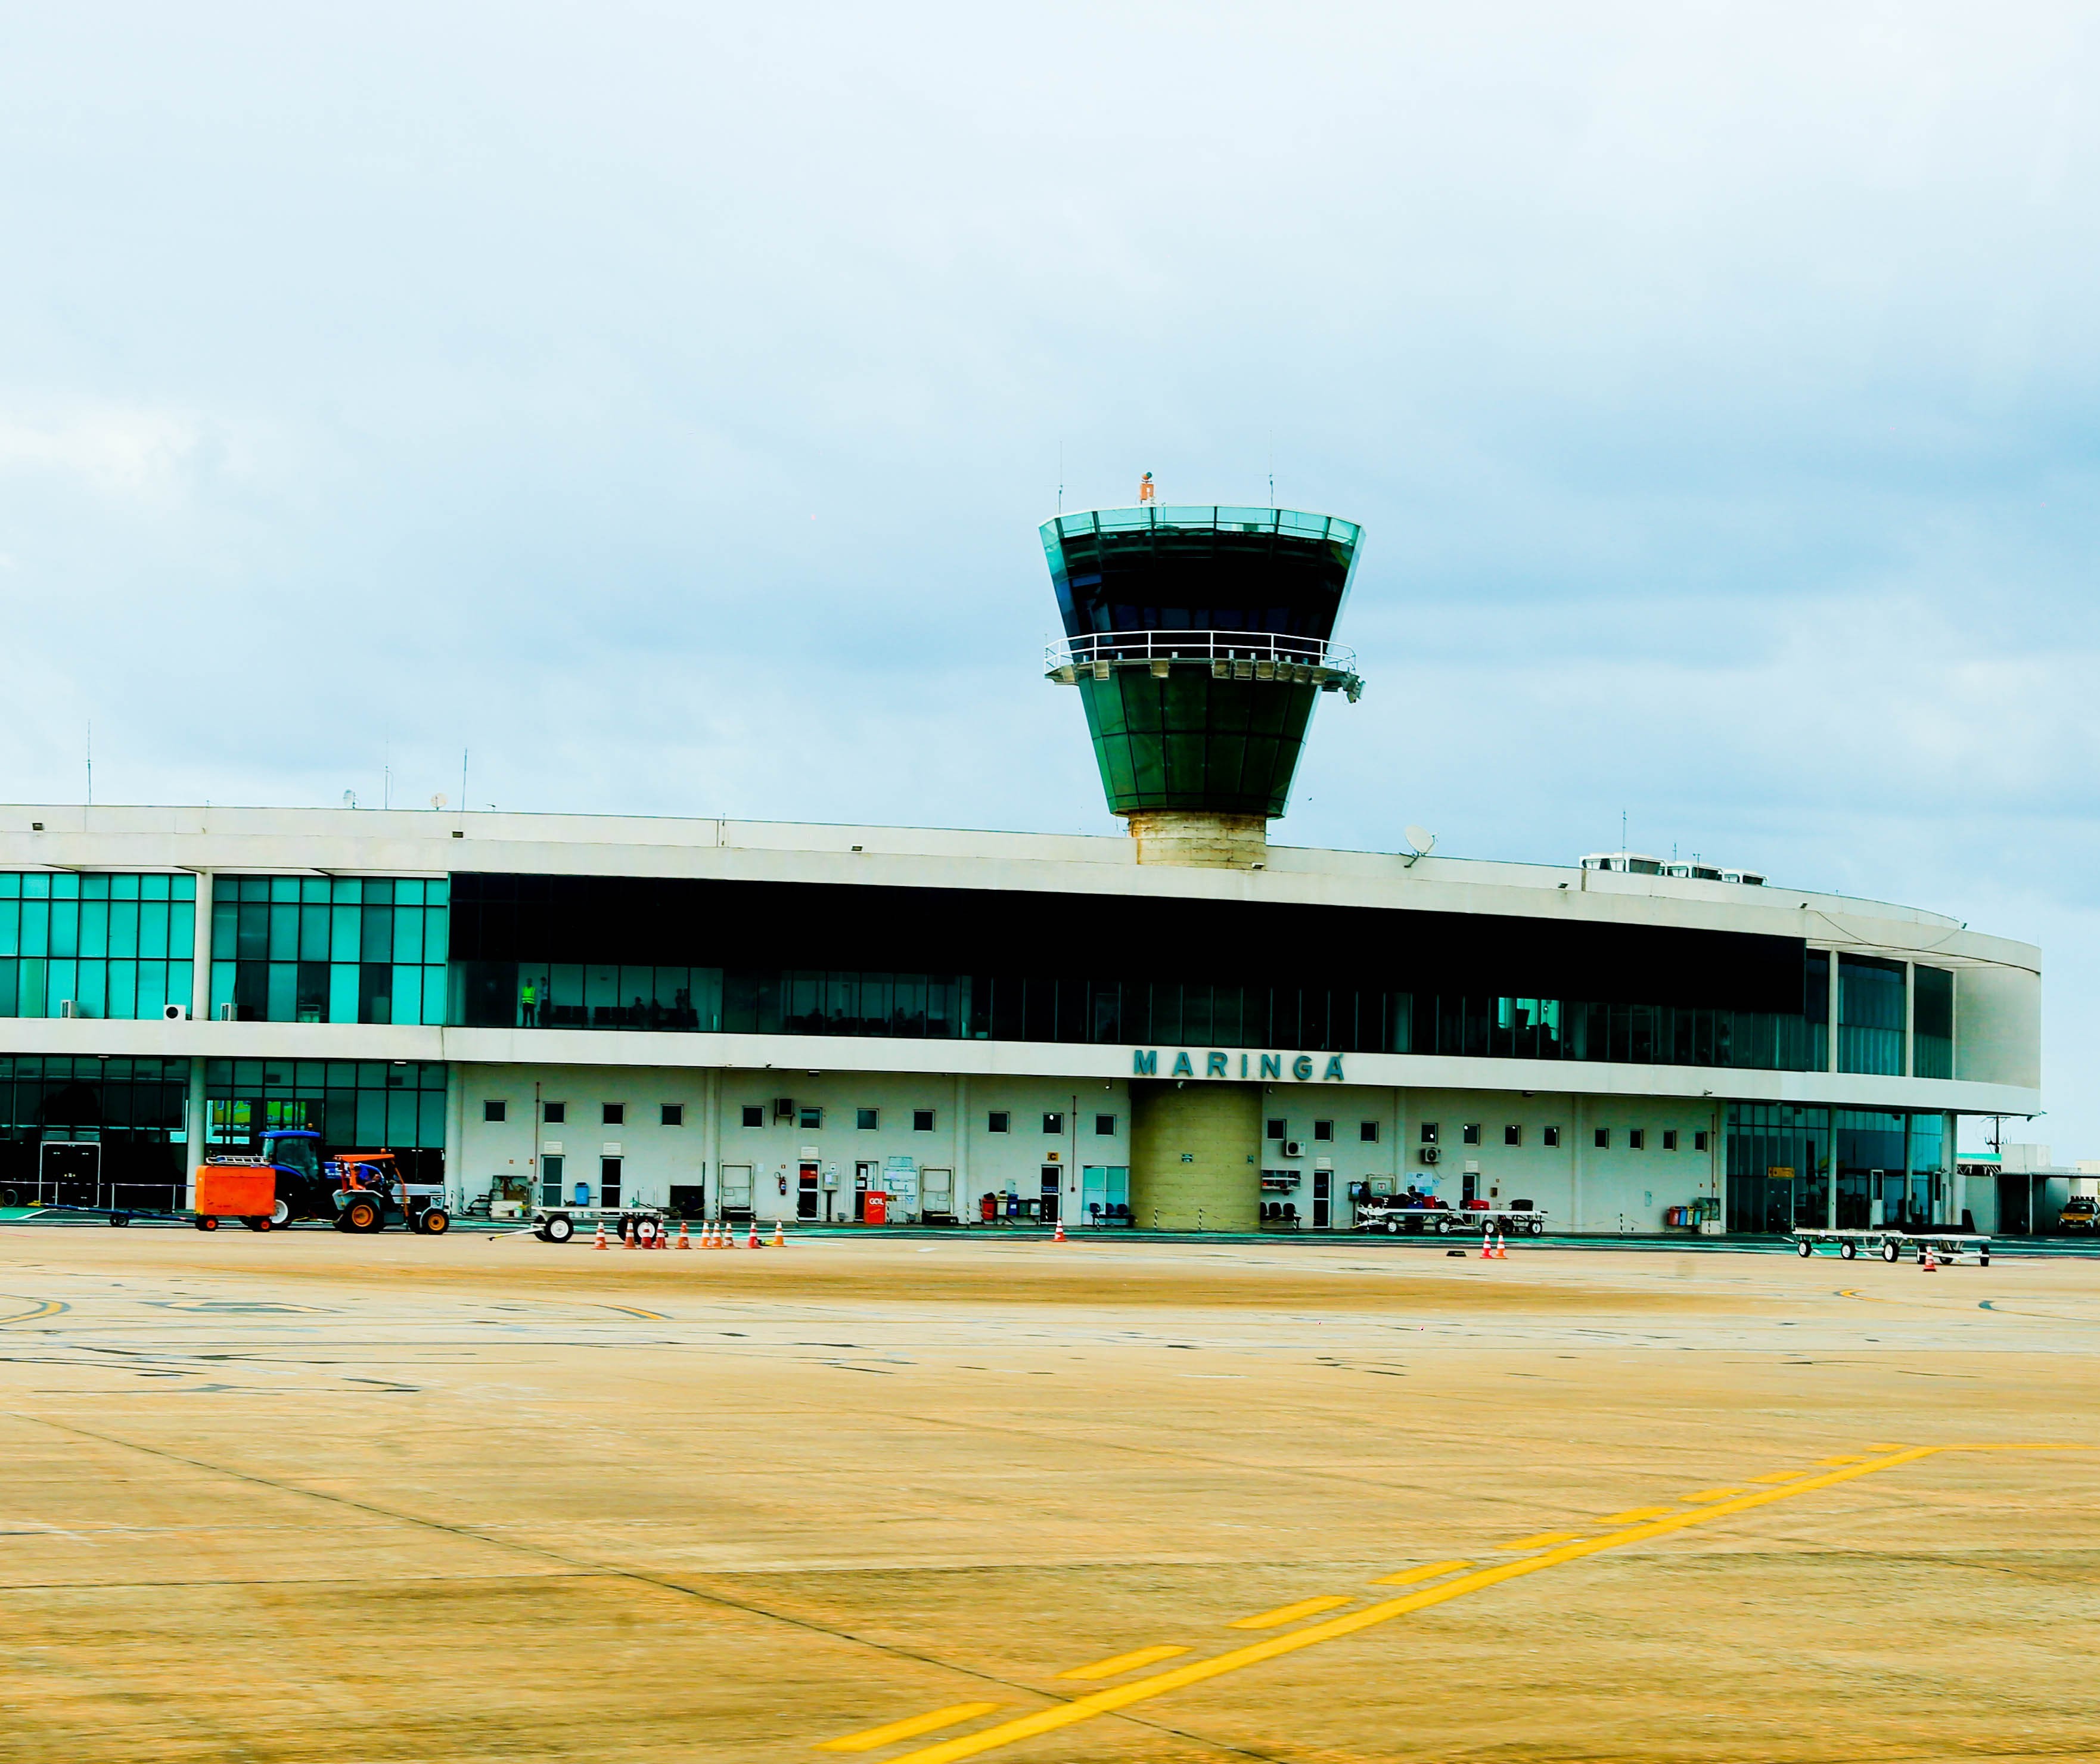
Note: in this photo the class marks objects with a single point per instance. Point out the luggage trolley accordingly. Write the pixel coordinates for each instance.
(1947, 1242)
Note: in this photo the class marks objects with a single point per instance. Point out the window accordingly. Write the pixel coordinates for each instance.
(754, 1114)
(615, 1114)
(1603, 1139)
(555, 1113)
(810, 1116)
(1549, 1135)
(1053, 1123)
(1513, 1136)
(674, 1115)
(491, 1109)
(1323, 1130)
(1637, 1139)
(1104, 1125)
(1669, 1139)
(1368, 1132)
(1429, 1133)
(1471, 1133)
(922, 1121)
(1275, 1129)
(868, 1120)
(1699, 1142)
(998, 1121)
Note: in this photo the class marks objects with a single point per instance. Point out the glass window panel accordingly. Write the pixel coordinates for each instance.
(155, 939)
(65, 927)
(10, 928)
(371, 1132)
(407, 934)
(408, 892)
(124, 927)
(95, 928)
(313, 933)
(345, 891)
(434, 995)
(407, 1006)
(431, 1118)
(91, 989)
(435, 921)
(60, 983)
(36, 925)
(284, 889)
(342, 992)
(161, 984)
(345, 933)
(122, 989)
(35, 886)
(283, 996)
(376, 942)
(401, 1117)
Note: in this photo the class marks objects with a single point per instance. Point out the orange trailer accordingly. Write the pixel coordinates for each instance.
(245, 1192)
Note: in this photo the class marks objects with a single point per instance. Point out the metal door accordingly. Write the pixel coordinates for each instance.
(735, 1190)
(608, 1181)
(550, 1179)
(864, 1178)
(805, 1193)
(69, 1172)
(1323, 1197)
(1052, 1186)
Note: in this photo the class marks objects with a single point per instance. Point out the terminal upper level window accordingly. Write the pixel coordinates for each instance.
(1104, 1125)
(674, 1115)
(1368, 1132)
(810, 1115)
(754, 1114)
(998, 1121)
(1276, 1128)
(1053, 1123)
(494, 1109)
(1637, 1139)
(554, 1114)
(615, 1114)
(1323, 1130)
(1669, 1139)
(1549, 1135)
(1471, 1133)
(1699, 1142)
(1513, 1136)
(1429, 1133)
(867, 1119)
(1603, 1139)
(922, 1121)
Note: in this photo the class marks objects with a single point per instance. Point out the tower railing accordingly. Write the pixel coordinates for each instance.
(1228, 654)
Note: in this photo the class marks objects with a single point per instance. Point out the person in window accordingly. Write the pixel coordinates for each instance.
(528, 1004)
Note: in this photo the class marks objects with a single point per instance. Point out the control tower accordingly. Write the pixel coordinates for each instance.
(1200, 641)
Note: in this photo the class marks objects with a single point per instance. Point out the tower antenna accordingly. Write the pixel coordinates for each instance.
(91, 762)
(1061, 477)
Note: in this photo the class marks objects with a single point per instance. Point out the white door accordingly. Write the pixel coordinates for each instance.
(736, 1188)
(938, 1187)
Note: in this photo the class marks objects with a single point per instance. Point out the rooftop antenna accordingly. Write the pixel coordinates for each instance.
(1421, 841)
(91, 762)
(1623, 845)
(464, 804)
(1061, 477)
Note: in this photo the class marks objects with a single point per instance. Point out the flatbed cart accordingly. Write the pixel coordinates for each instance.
(557, 1224)
(1519, 1218)
(1890, 1241)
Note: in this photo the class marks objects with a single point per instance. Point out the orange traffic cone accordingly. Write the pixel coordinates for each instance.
(601, 1244)
(1058, 1236)
(754, 1244)
(626, 1232)
(1926, 1261)
(1487, 1247)
(1502, 1248)
(779, 1235)
(685, 1242)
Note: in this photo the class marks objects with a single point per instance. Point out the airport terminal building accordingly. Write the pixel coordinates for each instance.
(1188, 1028)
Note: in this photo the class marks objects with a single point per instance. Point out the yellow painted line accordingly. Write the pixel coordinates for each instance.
(1829, 1461)
(1305, 1608)
(1542, 1540)
(651, 1316)
(1781, 1476)
(1117, 1664)
(870, 1738)
(1633, 1513)
(1120, 1696)
(1713, 1494)
(44, 1307)
(1408, 1577)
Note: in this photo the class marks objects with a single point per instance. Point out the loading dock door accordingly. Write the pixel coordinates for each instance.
(805, 1193)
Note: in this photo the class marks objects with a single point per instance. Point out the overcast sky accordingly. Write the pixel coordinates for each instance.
(659, 402)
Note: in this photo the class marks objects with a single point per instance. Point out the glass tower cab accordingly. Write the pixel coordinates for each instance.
(1200, 639)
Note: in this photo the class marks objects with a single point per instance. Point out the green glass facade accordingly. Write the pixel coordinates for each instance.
(1870, 1015)
(117, 946)
(132, 1109)
(354, 1104)
(1783, 1159)
(1190, 742)
(329, 949)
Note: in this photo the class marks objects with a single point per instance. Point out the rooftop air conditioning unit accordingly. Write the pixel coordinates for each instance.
(784, 1109)
(1293, 1149)
(1430, 1155)
(68, 1008)
(228, 1013)
(174, 1013)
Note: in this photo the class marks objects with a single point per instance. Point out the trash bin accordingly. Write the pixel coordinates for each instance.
(875, 1209)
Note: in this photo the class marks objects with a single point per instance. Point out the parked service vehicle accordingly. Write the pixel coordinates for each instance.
(2081, 1212)
(355, 1190)
(557, 1224)
(1395, 1213)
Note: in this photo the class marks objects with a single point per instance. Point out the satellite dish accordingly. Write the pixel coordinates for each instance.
(350, 798)
(1420, 840)
(438, 801)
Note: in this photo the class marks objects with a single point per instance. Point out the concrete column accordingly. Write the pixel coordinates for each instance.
(200, 950)
(1578, 1153)
(1195, 1156)
(196, 1125)
(711, 1109)
(455, 1140)
(1958, 1185)
(1910, 1019)
(963, 1196)
(1834, 996)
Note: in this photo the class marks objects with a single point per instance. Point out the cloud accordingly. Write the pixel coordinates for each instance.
(134, 455)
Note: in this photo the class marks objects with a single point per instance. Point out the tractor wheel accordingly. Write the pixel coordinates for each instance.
(362, 1214)
(435, 1222)
(1538, 1228)
(280, 1215)
(560, 1228)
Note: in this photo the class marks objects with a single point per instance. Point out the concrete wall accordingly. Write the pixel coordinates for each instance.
(1997, 1027)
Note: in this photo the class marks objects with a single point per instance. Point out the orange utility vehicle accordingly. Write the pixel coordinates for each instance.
(354, 1190)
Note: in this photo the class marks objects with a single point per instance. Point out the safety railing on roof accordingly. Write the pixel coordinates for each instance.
(1267, 655)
